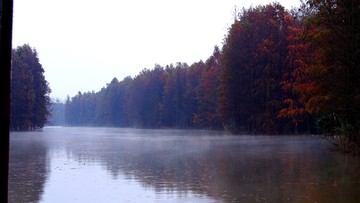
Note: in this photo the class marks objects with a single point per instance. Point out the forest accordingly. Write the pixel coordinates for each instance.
(277, 72)
(237, 88)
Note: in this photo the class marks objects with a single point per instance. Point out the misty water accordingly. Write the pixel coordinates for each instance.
(132, 165)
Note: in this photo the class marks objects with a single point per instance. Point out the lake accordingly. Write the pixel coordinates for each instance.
(60, 164)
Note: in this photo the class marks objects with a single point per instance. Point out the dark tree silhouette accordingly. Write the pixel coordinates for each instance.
(30, 91)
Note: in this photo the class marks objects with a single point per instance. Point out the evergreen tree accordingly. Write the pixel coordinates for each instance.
(30, 101)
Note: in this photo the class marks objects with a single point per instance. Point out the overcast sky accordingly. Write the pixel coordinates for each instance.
(84, 44)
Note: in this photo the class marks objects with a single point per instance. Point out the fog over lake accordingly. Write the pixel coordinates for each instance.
(60, 164)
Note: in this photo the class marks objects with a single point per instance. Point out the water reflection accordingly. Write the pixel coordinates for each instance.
(191, 166)
(28, 167)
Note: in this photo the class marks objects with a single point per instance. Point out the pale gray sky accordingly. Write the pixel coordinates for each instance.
(83, 44)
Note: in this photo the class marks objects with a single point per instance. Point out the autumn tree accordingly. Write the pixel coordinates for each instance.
(30, 101)
(207, 98)
(276, 72)
(296, 82)
(253, 63)
(335, 75)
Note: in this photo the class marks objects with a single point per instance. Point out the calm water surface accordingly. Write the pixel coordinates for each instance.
(133, 165)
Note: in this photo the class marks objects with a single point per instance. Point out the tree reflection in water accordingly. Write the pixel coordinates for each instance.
(182, 162)
(232, 168)
(29, 167)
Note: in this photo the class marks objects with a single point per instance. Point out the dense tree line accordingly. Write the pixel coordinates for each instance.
(237, 88)
(326, 68)
(254, 61)
(179, 96)
(278, 71)
(30, 91)
(57, 117)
